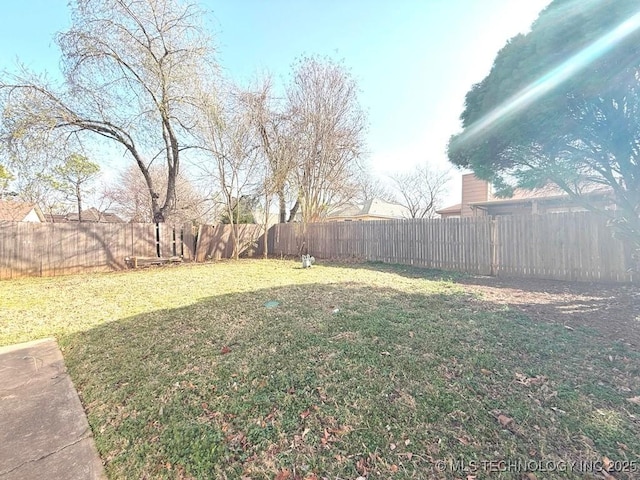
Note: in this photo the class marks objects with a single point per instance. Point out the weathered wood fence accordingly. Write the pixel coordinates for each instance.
(564, 246)
(216, 242)
(48, 249)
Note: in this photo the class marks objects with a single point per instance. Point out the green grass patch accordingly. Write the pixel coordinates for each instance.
(380, 371)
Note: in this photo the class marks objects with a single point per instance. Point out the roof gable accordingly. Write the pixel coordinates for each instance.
(14, 211)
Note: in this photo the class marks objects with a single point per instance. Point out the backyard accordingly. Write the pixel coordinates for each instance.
(261, 369)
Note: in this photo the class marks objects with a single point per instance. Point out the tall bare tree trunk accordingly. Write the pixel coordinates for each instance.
(283, 206)
(79, 197)
(294, 210)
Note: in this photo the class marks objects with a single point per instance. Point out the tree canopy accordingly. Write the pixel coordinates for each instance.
(562, 105)
(72, 177)
(132, 71)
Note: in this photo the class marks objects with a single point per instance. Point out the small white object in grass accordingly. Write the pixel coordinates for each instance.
(335, 310)
(307, 261)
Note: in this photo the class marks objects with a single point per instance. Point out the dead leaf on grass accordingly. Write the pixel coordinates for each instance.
(385, 353)
(531, 476)
(225, 350)
(486, 372)
(635, 400)
(504, 420)
(362, 467)
(528, 381)
(393, 468)
(283, 475)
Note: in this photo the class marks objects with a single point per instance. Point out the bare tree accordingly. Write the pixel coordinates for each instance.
(273, 126)
(132, 69)
(329, 130)
(370, 187)
(128, 197)
(233, 155)
(420, 190)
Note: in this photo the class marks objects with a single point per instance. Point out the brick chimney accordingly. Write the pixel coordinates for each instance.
(473, 190)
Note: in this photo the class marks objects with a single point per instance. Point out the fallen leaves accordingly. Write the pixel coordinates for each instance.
(504, 420)
(283, 474)
(635, 400)
(528, 381)
(225, 350)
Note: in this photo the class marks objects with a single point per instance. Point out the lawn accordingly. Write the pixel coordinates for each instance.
(261, 370)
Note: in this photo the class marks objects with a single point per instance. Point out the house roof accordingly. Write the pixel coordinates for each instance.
(55, 218)
(453, 209)
(15, 211)
(94, 215)
(521, 195)
(375, 207)
(546, 193)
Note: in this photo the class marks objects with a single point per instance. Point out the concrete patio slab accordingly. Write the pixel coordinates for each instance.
(45, 433)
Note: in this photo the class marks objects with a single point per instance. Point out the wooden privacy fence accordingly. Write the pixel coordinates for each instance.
(215, 241)
(48, 249)
(564, 246)
(451, 244)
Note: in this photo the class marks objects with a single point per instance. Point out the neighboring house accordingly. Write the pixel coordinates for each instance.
(90, 215)
(374, 209)
(479, 200)
(55, 218)
(15, 211)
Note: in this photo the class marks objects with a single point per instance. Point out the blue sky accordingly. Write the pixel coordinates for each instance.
(414, 60)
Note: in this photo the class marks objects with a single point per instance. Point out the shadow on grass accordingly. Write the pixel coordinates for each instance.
(610, 310)
(345, 380)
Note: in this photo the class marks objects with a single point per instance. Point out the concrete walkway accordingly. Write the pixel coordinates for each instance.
(43, 429)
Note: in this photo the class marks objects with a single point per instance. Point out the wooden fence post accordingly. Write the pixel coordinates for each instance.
(493, 245)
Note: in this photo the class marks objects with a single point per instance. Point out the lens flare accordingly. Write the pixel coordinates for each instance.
(552, 79)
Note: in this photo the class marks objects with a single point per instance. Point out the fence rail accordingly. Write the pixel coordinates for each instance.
(564, 246)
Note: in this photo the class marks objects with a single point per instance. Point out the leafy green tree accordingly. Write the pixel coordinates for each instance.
(72, 177)
(5, 179)
(242, 211)
(562, 105)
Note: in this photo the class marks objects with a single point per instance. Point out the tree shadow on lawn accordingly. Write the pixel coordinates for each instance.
(611, 310)
(345, 380)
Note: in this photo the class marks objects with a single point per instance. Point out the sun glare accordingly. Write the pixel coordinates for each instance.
(552, 79)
